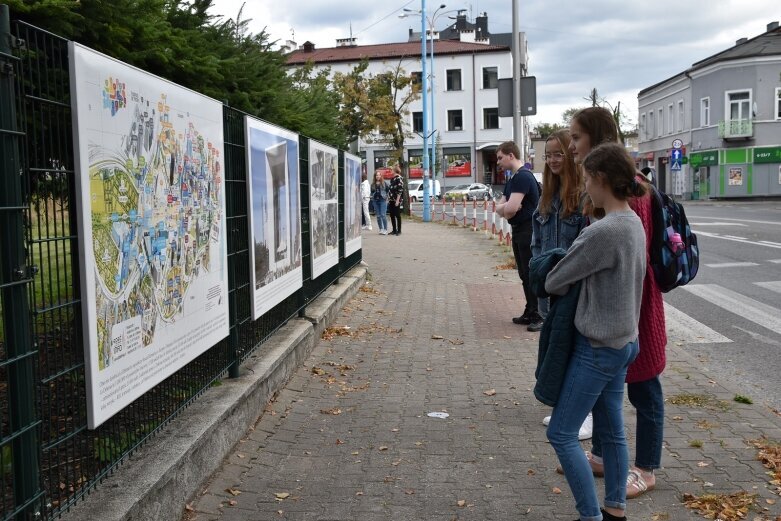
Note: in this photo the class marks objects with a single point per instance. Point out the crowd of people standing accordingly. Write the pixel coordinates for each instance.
(581, 242)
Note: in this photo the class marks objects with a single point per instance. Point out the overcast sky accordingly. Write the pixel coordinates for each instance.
(619, 47)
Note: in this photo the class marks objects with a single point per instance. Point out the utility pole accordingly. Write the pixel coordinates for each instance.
(516, 52)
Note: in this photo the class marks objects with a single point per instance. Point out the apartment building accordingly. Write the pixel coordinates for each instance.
(725, 112)
(466, 125)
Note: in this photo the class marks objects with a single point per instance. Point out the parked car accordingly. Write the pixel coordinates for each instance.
(416, 190)
(470, 192)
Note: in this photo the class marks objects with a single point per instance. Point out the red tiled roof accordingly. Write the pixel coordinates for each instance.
(387, 50)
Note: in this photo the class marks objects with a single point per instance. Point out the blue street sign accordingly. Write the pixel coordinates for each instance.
(676, 166)
(675, 159)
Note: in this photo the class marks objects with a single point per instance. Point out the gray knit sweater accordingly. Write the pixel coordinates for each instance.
(609, 257)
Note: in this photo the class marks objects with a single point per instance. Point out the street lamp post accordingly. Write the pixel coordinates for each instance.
(428, 114)
(424, 74)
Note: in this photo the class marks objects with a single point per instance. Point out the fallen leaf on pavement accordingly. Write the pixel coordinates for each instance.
(556, 490)
(282, 495)
(703, 464)
(189, 507)
(383, 447)
(334, 411)
(233, 491)
(732, 507)
(437, 337)
(461, 503)
(490, 392)
(233, 502)
(409, 491)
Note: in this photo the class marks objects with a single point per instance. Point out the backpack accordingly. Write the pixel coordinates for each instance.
(675, 256)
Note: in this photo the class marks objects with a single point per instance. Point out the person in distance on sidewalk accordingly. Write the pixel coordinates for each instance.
(380, 198)
(609, 258)
(366, 193)
(517, 204)
(394, 200)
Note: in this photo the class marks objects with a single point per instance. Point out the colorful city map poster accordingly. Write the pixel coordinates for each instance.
(323, 207)
(149, 162)
(352, 204)
(275, 214)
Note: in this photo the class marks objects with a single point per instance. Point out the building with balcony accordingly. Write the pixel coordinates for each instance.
(726, 111)
(466, 123)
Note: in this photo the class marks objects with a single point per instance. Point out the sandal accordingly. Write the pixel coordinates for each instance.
(636, 484)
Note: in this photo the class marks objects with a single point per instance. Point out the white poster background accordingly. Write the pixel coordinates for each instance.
(352, 204)
(274, 193)
(323, 207)
(152, 221)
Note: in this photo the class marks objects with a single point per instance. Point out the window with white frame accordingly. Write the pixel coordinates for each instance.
(660, 123)
(651, 125)
(778, 102)
(705, 112)
(670, 114)
(738, 105)
(643, 130)
(490, 77)
(491, 118)
(455, 120)
(453, 79)
(417, 121)
(681, 116)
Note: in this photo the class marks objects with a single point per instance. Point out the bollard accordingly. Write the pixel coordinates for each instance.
(474, 216)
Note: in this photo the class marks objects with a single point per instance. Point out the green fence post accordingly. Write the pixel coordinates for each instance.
(20, 354)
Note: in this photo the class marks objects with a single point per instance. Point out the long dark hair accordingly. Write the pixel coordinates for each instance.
(598, 123)
(611, 163)
(568, 184)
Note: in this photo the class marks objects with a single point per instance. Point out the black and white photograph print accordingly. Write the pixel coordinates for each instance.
(323, 206)
(275, 227)
(352, 204)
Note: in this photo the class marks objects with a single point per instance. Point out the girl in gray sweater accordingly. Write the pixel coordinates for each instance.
(609, 258)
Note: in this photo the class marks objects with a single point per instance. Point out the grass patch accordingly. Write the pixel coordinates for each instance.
(368, 289)
(743, 399)
(726, 507)
(697, 444)
(698, 400)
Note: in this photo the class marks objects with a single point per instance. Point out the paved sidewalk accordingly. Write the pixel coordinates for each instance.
(349, 437)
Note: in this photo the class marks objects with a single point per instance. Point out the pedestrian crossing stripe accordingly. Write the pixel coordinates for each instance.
(732, 265)
(772, 285)
(736, 238)
(775, 261)
(752, 310)
(681, 328)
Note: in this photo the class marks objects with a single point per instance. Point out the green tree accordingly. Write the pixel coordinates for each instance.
(546, 129)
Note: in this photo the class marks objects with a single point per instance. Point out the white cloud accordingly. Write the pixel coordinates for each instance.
(617, 47)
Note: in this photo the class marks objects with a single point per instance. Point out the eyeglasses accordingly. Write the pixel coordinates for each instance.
(559, 156)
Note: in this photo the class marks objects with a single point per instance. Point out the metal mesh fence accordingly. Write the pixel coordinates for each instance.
(67, 458)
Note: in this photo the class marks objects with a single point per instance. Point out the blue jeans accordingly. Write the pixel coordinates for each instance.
(648, 399)
(594, 381)
(381, 209)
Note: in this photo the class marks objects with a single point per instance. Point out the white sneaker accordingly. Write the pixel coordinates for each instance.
(587, 429)
(369, 228)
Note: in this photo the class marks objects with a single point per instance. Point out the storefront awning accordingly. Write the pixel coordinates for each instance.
(487, 146)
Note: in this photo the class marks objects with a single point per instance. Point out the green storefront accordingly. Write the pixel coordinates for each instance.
(700, 163)
(742, 172)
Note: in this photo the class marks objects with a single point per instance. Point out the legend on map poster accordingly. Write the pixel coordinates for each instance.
(149, 163)
(275, 214)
